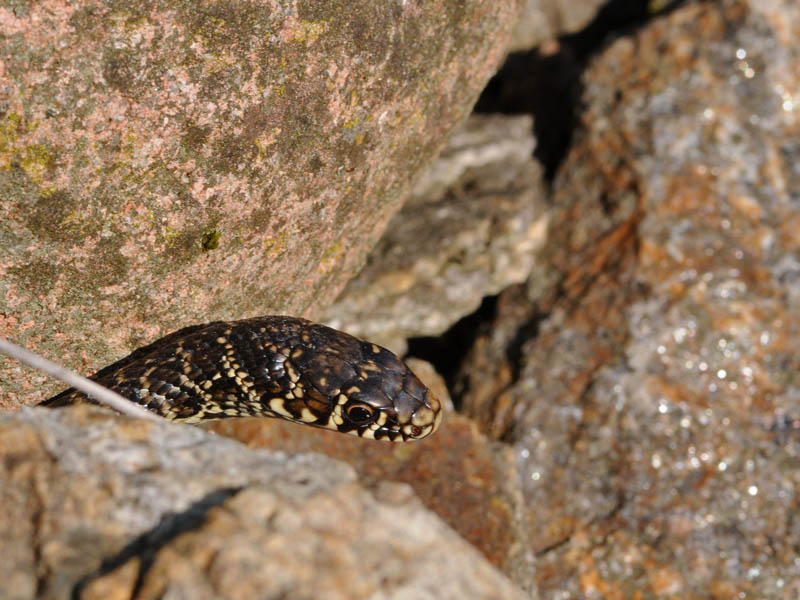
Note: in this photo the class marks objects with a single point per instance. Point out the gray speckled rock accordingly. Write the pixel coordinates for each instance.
(470, 229)
(656, 413)
(166, 164)
(98, 506)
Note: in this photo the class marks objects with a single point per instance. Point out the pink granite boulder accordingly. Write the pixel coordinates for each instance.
(164, 165)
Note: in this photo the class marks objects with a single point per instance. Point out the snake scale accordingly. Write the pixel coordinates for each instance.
(275, 366)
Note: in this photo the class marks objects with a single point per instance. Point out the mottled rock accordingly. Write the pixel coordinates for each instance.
(651, 371)
(469, 481)
(471, 228)
(545, 20)
(542, 21)
(166, 167)
(98, 506)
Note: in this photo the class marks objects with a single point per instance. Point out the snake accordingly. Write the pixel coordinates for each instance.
(274, 366)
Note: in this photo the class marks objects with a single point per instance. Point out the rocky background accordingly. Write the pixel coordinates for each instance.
(601, 269)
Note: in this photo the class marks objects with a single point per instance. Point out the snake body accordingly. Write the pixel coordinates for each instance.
(274, 366)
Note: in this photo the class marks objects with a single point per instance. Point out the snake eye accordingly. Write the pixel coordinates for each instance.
(361, 414)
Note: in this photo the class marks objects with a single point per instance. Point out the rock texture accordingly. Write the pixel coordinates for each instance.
(97, 506)
(471, 227)
(644, 378)
(164, 167)
(545, 20)
(469, 481)
(646, 374)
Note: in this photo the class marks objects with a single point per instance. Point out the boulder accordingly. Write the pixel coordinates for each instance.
(98, 506)
(163, 167)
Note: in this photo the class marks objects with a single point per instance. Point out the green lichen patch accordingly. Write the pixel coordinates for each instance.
(210, 240)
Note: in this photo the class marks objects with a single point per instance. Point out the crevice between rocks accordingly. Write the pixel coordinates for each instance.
(546, 85)
(450, 352)
(546, 82)
(447, 352)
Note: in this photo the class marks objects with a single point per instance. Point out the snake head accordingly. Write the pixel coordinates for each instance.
(386, 401)
(369, 391)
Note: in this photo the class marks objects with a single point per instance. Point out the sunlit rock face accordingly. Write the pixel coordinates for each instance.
(651, 393)
(161, 168)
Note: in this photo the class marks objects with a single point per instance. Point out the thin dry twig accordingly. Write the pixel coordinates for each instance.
(72, 379)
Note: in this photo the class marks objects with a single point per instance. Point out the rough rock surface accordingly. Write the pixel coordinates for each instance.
(648, 377)
(544, 20)
(166, 165)
(98, 506)
(469, 481)
(471, 228)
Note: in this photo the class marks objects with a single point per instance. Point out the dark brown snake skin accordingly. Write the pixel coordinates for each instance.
(281, 367)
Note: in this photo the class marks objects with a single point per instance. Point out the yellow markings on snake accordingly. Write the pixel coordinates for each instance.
(423, 416)
(276, 405)
(201, 374)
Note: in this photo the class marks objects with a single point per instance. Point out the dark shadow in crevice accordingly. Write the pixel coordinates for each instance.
(514, 352)
(548, 86)
(146, 546)
(446, 352)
